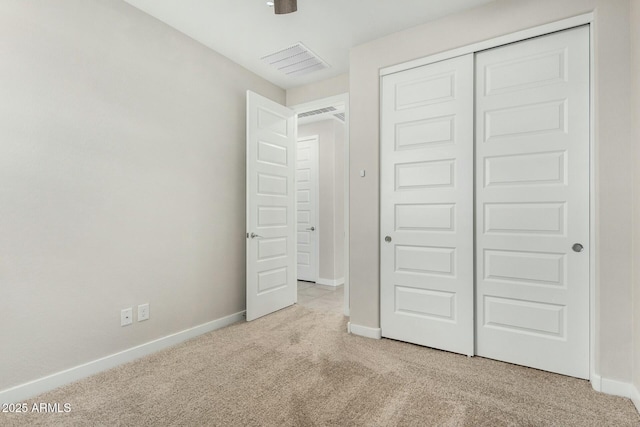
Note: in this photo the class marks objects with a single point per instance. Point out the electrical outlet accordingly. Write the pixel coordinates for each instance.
(143, 312)
(126, 316)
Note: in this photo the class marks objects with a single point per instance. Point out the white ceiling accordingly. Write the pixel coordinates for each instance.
(246, 30)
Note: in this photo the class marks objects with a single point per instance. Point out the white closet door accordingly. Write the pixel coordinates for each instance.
(306, 191)
(532, 193)
(427, 205)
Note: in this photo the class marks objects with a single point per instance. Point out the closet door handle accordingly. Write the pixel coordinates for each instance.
(387, 239)
(577, 247)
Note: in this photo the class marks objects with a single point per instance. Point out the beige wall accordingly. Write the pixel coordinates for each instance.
(122, 181)
(635, 73)
(613, 157)
(330, 162)
(322, 89)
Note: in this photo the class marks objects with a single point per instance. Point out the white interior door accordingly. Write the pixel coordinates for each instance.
(306, 201)
(532, 192)
(426, 193)
(271, 240)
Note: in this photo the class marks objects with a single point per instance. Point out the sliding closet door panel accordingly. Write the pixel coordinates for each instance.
(427, 205)
(532, 199)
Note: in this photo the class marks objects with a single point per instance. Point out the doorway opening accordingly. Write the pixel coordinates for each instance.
(322, 204)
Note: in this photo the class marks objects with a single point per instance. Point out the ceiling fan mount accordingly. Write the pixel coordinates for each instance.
(284, 6)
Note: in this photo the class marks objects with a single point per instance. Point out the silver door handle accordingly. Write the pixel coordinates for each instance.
(577, 247)
(311, 229)
(387, 239)
(254, 235)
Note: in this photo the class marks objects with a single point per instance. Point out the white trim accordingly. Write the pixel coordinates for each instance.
(346, 206)
(330, 282)
(593, 216)
(635, 397)
(364, 331)
(44, 384)
(491, 43)
(320, 103)
(596, 382)
(616, 388)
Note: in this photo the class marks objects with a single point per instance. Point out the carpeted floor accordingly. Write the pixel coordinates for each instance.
(298, 367)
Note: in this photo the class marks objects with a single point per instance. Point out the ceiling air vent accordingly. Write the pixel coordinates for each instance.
(340, 116)
(316, 112)
(295, 60)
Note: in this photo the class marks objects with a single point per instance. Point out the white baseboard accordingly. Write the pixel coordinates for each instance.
(364, 331)
(635, 397)
(616, 388)
(33, 388)
(330, 282)
(596, 382)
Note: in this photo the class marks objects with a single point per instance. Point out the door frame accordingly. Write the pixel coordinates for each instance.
(316, 191)
(342, 99)
(564, 24)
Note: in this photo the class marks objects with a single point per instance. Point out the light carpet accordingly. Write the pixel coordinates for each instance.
(298, 367)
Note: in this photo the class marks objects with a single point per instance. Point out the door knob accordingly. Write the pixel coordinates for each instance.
(311, 229)
(254, 235)
(577, 247)
(387, 239)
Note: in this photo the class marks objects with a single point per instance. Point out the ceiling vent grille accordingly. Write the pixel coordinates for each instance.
(295, 60)
(340, 116)
(316, 112)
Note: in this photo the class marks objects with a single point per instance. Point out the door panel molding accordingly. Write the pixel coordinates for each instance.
(427, 206)
(533, 218)
(270, 254)
(532, 205)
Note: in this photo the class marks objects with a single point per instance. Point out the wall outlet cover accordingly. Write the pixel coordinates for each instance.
(143, 312)
(126, 316)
